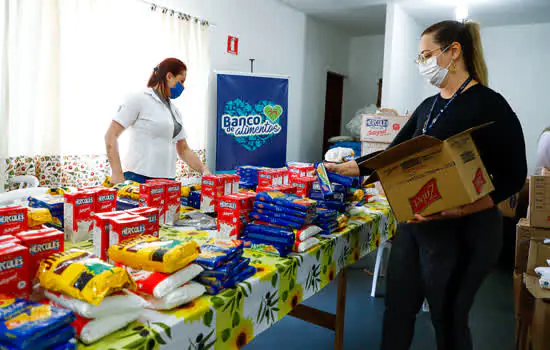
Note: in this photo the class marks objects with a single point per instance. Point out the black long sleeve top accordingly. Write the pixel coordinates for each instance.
(501, 145)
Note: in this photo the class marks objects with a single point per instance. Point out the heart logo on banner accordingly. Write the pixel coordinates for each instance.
(273, 113)
(267, 110)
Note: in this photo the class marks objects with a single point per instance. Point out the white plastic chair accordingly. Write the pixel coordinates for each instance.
(381, 264)
(24, 181)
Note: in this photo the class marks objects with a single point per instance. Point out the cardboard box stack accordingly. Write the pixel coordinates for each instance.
(216, 186)
(532, 313)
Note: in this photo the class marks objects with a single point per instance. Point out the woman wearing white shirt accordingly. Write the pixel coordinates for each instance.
(155, 127)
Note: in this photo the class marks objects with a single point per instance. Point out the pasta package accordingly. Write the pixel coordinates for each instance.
(83, 276)
(39, 216)
(215, 253)
(24, 322)
(288, 200)
(152, 254)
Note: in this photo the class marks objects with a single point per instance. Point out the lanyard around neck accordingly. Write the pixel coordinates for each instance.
(430, 122)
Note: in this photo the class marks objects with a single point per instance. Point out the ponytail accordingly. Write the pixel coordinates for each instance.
(158, 77)
(469, 37)
(478, 66)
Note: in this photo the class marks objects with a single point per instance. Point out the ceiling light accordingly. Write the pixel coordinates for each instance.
(461, 13)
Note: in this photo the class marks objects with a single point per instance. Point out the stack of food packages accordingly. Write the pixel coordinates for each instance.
(162, 269)
(300, 170)
(224, 266)
(249, 176)
(30, 325)
(233, 211)
(274, 180)
(216, 186)
(93, 289)
(303, 185)
(282, 222)
(327, 219)
(191, 195)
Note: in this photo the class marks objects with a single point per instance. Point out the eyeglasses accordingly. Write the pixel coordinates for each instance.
(421, 58)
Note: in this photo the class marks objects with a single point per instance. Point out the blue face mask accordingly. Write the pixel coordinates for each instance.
(176, 91)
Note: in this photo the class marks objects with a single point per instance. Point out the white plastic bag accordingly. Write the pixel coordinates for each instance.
(91, 330)
(111, 305)
(307, 232)
(180, 296)
(338, 154)
(354, 125)
(159, 284)
(543, 272)
(306, 245)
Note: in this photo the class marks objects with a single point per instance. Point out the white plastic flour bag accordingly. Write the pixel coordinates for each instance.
(307, 232)
(180, 296)
(91, 330)
(159, 284)
(111, 305)
(306, 245)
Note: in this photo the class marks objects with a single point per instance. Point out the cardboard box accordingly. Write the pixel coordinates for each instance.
(15, 265)
(540, 324)
(518, 282)
(426, 175)
(524, 234)
(380, 127)
(154, 195)
(538, 254)
(13, 219)
(41, 244)
(539, 201)
(371, 147)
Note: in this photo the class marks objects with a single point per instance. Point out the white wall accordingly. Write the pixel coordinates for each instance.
(366, 62)
(268, 31)
(326, 49)
(403, 88)
(518, 62)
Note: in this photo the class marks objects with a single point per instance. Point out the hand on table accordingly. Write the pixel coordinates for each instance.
(477, 206)
(348, 169)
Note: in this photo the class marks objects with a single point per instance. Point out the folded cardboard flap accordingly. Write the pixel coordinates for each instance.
(539, 253)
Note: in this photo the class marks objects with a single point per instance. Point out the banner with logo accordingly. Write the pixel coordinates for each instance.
(252, 121)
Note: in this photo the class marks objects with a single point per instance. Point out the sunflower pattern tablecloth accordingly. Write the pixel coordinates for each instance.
(234, 317)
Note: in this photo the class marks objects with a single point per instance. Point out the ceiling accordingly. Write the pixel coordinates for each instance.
(367, 17)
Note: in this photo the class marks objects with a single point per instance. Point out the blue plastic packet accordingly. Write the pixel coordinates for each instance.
(303, 220)
(215, 253)
(257, 230)
(326, 213)
(349, 181)
(328, 226)
(22, 322)
(70, 345)
(288, 200)
(268, 247)
(269, 238)
(276, 221)
(326, 185)
(126, 203)
(243, 275)
(280, 209)
(227, 270)
(335, 205)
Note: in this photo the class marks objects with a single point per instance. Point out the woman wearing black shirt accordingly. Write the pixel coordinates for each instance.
(446, 257)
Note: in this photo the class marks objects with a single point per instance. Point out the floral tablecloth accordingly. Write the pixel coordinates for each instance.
(234, 317)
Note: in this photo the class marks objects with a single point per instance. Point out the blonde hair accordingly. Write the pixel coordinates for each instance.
(468, 36)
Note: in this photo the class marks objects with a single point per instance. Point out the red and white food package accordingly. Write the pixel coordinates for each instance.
(113, 304)
(303, 185)
(297, 170)
(9, 239)
(230, 225)
(105, 200)
(307, 232)
(42, 244)
(123, 228)
(13, 219)
(78, 210)
(212, 188)
(101, 232)
(182, 295)
(153, 194)
(159, 284)
(14, 270)
(91, 330)
(152, 214)
(302, 246)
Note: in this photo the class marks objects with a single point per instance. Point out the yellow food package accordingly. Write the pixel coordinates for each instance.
(83, 276)
(185, 190)
(152, 254)
(39, 216)
(128, 189)
(107, 182)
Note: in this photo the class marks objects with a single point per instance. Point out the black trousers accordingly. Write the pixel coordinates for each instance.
(444, 261)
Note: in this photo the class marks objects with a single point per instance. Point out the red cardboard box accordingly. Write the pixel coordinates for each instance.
(126, 227)
(152, 214)
(172, 202)
(303, 185)
(234, 203)
(300, 170)
(9, 239)
(14, 270)
(231, 227)
(79, 208)
(102, 230)
(266, 178)
(213, 187)
(42, 244)
(153, 195)
(13, 219)
(105, 200)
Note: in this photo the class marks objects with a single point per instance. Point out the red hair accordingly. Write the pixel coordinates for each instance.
(169, 65)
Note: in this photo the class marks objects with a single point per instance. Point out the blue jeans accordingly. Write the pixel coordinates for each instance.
(128, 175)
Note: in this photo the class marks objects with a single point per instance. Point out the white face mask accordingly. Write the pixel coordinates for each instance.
(432, 72)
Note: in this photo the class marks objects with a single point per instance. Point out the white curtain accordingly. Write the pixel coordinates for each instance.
(66, 66)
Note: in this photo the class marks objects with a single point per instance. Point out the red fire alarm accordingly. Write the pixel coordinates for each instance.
(232, 45)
